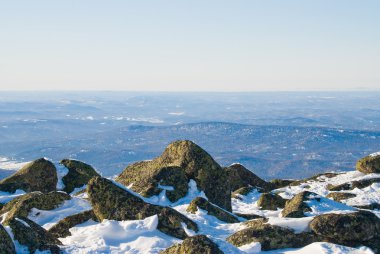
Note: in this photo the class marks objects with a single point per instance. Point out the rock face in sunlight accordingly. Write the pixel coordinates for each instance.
(369, 164)
(39, 175)
(196, 164)
(296, 207)
(194, 245)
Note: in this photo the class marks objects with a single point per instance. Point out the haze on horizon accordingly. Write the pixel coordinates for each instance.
(190, 45)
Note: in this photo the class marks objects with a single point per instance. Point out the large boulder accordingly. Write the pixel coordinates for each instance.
(115, 203)
(196, 163)
(62, 228)
(270, 236)
(30, 234)
(338, 196)
(211, 209)
(38, 175)
(351, 229)
(20, 206)
(369, 164)
(296, 207)
(194, 245)
(6, 243)
(271, 201)
(79, 174)
(239, 177)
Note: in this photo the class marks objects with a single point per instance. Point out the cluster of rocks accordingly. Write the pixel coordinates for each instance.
(181, 162)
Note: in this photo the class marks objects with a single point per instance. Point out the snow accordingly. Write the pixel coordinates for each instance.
(253, 247)
(6, 196)
(374, 154)
(10, 164)
(61, 172)
(297, 224)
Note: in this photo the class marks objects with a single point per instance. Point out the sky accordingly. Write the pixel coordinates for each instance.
(197, 45)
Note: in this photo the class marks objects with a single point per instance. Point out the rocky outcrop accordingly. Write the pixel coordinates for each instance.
(20, 206)
(270, 201)
(243, 191)
(62, 228)
(114, 203)
(30, 234)
(240, 177)
(211, 210)
(194, 245)
(280, 183)
(195, 162)
(38, 175)
(360, 184)
(6, 243)
(296, 207)
(270, 237)
(338, 196)
(352, 229)
(369, 164)
(79, 174)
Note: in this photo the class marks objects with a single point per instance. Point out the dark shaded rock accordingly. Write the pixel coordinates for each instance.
(354, 184)
(270, 201)
(248, 216)
(369, 164)
(20, 206)
(38, 175)
(211, 210)
(79, 174)
(6, 243)
(239, 177)
(243, 191)
(197, 164)
(338, 196)
(296, 207)
(30, 234)
(280, 183)
(146, 179)
(372, 206)
(270, 237)
(352, 229)
(62, 228)
(114, 203)
(199, 244)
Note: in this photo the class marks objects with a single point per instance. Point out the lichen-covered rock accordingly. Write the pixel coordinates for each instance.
(360, 184)
(239, 177)
(146, 178)
(62, 228)
(243, 191)
(351, 229)
(270, 236)
(6, 243)
(30, 234)
(199, 244)
(79, 174)
(280, 183)
(296, 207)
(270, 201)
(38, 175)
(369, 164)
(197, 165)
(338, 196)
(114, 203)
(20, 206)
(211, 209)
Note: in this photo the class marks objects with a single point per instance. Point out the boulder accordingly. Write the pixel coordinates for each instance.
(6, 243)
(211, 210)
(240, 177)
(369, 164)
(115, 203)
(296, 207)
(372, 206)
(38, 175)
(20, 206)
(338, 196)
(270, 236)
(270, 201)
(280, 183)
(79, 174)
(351, 229)
(30, 234)
(199, 244)
(248, 216)
(360, 184)
(196, 163)
(62, 228)
(243, 191)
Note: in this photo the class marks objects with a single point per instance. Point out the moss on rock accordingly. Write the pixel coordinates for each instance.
(79, 174)
(211, 209)
(114, 203)
(6, 243)
(62, 228)
(369, 164)
(196, 163)
(199, 244)
(296, 207)
(338, 196)
(38, 175)
(270, 201)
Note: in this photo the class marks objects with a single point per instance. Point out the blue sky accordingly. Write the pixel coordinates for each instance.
(190, 45)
